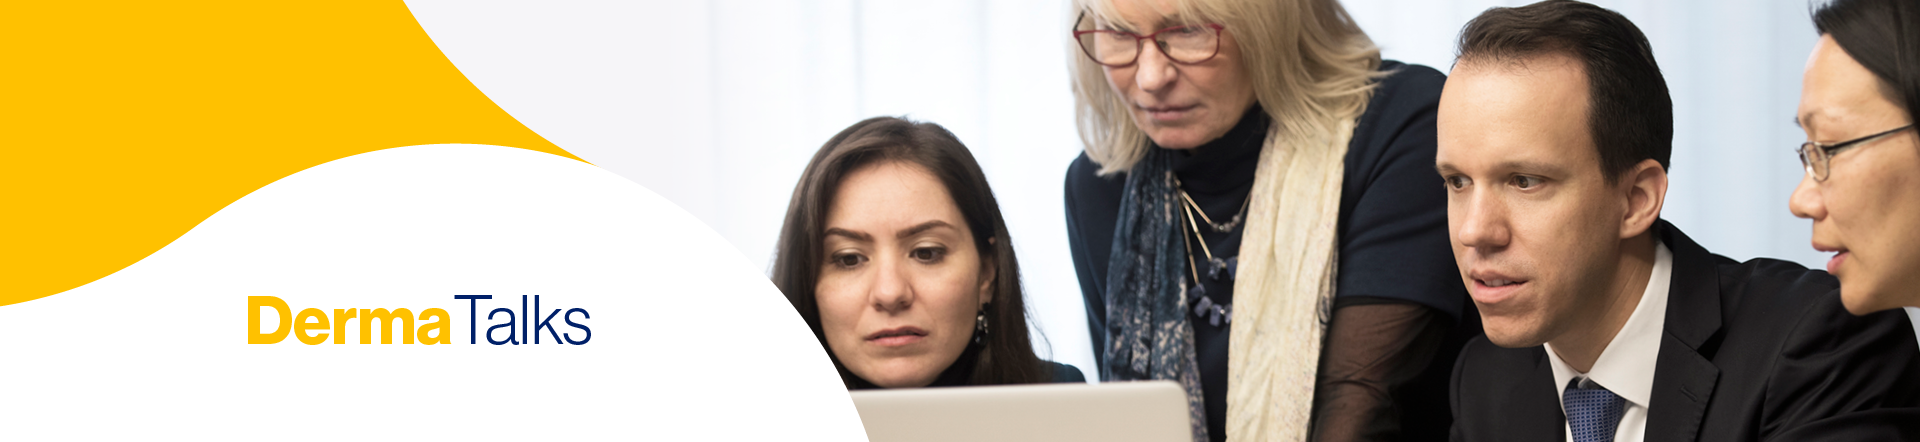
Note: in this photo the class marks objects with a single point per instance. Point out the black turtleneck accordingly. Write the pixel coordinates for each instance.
(1218, 176)
(1392, 235)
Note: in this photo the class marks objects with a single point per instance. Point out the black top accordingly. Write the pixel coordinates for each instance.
(1760, 350)
(1392, 230)
(1063, 373)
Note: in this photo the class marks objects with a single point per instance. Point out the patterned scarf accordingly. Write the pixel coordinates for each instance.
(1148, 336)
(1282, 293)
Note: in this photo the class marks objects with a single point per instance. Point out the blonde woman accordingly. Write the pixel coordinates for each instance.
(1256, 216)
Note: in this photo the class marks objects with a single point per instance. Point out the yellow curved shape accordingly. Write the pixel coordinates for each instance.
(125, 125)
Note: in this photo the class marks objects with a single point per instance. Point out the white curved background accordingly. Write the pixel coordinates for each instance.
(689, 341)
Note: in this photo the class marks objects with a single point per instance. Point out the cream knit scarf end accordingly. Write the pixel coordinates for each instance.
(1283, 296)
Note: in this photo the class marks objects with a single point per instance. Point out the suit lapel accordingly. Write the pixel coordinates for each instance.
(1684, 379)
(1682, 385)
(1536, 405)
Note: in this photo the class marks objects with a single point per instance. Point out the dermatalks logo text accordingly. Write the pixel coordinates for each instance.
(314, 326)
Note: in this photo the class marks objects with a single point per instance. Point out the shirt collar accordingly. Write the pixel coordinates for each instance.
(1626, 366)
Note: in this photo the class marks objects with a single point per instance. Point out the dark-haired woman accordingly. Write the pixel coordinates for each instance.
(895, 254)
(1862, 182)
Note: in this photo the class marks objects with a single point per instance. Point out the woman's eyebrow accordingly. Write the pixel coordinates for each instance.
(1171, 20)
(1165, 21)
(922, 227)
(1116, 25)
(836, 231)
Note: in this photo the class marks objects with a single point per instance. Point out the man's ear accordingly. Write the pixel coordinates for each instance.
(1646, 192)
(987, 275)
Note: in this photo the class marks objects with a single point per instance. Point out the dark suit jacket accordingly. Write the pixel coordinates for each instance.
(1760, 350)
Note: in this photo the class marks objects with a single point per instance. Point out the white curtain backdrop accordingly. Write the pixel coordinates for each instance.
(718, 105)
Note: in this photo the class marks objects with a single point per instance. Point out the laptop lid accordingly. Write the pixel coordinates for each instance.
(1153, 411)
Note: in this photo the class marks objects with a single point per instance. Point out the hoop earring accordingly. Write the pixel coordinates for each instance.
(980, 326)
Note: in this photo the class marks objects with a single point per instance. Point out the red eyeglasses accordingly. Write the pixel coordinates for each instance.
(1187, 44)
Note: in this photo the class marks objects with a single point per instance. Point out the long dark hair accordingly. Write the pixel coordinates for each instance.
(1882, 35)
(1006, 357)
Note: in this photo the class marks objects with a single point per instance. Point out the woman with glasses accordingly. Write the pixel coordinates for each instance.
(1862, 183)
(1256, 216)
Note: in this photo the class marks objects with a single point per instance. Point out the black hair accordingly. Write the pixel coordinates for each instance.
(1631, 114)
(1882, 35)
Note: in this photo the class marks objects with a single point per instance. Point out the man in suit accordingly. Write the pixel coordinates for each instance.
(1602, 321)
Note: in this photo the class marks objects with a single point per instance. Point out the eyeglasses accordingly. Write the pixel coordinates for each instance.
(1817, 157)
(1186, 44)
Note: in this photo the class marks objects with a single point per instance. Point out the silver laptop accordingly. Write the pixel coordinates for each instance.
(1153, 411)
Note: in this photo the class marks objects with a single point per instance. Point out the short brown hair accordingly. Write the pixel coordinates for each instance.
(1631, 115)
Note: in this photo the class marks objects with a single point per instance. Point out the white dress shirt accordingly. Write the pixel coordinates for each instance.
(1626, 366)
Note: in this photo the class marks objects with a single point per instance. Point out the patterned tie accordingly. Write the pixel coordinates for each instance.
(1593, 413)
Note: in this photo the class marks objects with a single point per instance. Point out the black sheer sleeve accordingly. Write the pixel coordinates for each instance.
(1374, 349)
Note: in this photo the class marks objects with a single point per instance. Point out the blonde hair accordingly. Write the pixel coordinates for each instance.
(1310, 64)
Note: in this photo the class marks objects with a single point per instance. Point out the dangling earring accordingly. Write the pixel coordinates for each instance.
(980, 326)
